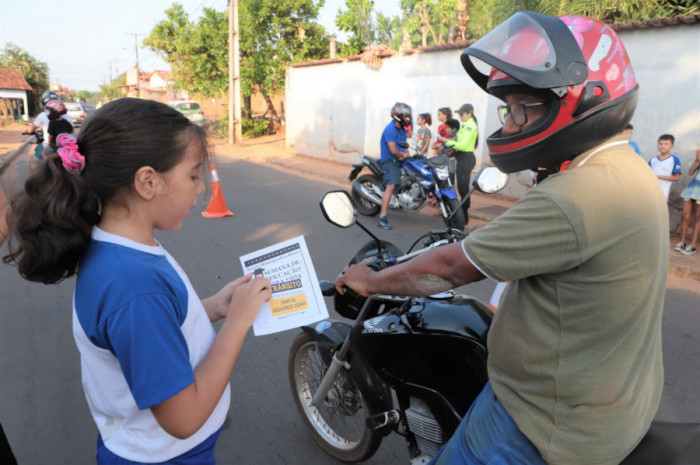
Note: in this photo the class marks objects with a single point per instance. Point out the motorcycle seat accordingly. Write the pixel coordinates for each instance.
(669, 444)
(438, 161)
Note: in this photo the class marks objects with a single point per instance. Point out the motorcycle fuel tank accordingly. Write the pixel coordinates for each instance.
(438, 344)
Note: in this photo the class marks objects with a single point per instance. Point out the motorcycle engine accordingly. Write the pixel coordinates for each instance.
(410, 195)
(429, 436)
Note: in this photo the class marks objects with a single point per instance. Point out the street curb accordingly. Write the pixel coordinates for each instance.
(7, 159)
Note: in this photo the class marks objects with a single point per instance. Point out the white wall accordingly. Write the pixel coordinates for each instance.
(18, 94)
(667, 64)
(339, 110)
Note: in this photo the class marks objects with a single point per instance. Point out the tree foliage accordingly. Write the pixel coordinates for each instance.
(196, 52)
(272, 35)
(429, 22)
(435, 22)
(484, 15)
(35, 72)
(111, 91)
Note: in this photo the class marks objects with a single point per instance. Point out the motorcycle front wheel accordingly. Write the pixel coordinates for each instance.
(364, 206)
(338, 425)
(458, 221)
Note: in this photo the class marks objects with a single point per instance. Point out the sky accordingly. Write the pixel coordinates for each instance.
(87, 42)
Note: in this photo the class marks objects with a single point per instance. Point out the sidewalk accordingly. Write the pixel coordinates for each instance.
(271, 150)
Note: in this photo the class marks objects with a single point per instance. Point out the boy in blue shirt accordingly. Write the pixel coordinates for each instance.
(666, 165)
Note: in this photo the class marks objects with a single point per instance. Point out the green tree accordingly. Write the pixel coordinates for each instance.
(35, 72)
(357, 21)
(429, 22)
(196, 52)
(111, 91)
(484, 15)
(272, 35)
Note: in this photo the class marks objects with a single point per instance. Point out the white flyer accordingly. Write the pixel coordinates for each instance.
(296, 296)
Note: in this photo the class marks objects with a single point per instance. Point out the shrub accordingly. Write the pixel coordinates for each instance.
(252, 127)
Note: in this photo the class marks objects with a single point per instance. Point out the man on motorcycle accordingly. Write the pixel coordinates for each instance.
(42, 120)
(575, 364)
(391, 155)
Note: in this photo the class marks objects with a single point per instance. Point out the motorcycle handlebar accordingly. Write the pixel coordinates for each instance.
(328, 289)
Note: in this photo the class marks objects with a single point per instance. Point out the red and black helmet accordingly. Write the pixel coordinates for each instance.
(579, 65)
(401, 113)
(55, 108)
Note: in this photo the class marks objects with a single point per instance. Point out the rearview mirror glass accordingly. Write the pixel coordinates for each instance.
(338, 208)
(491, 179)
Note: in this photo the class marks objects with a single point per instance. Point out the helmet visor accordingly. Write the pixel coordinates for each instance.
(537, 50)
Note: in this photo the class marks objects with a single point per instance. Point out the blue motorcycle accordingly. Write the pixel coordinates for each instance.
(421, 178)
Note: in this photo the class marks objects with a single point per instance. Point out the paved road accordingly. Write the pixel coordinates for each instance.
(42, 406)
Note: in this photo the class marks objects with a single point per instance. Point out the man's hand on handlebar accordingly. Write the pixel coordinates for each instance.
(356, 278)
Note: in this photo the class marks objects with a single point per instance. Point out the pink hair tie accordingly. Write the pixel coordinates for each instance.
(72, 160)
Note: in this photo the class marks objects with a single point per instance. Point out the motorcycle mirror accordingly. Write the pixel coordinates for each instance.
(490, 179)
(403, 145)
(339, 209)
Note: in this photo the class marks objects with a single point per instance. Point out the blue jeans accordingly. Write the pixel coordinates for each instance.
(487, 435)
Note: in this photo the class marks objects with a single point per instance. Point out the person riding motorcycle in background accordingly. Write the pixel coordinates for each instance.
(57, 122)
(575, 367)
(397, 131)
(42, 120)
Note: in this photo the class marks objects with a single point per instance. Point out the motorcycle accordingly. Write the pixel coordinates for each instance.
(411, 365)
(39, 140)
(420, 178)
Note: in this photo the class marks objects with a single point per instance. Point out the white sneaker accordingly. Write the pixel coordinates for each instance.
(679, 247)
(689, 250)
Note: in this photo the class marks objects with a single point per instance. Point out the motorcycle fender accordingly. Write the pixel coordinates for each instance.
(355, 171)
(329, 335)
(448, 193)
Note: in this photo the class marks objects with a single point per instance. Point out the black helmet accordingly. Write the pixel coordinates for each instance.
(401, 113)
(47, 96)
(55, 108)
(577, 65)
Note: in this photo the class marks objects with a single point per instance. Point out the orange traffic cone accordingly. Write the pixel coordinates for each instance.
(217, 205)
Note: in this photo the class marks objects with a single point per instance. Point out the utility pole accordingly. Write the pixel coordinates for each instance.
(110, 70)
(136, 49)
(235, 132)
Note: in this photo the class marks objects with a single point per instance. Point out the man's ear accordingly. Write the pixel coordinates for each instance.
(146, 182)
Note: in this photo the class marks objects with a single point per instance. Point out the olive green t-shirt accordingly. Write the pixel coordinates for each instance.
(575, 347)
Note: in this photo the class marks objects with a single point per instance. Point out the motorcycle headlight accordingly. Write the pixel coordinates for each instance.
(442, 173)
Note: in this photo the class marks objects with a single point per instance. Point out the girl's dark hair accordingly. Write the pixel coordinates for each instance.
(51, 220)
(428, 119)
(447, 111)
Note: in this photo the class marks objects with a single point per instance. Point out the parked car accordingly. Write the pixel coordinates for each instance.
(89, 107)
(77, 112)
(189, 108)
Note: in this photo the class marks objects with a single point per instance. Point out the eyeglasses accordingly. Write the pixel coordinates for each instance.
(517, 112)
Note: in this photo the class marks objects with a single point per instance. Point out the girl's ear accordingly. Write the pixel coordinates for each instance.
(146, 182)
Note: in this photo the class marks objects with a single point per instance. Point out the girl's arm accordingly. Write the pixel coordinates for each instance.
(184, 414)
(426, 145)
(696, 163)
